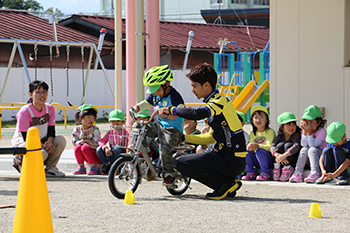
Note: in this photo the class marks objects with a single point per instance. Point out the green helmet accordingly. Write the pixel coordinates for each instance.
(143, 113)
(157, 76)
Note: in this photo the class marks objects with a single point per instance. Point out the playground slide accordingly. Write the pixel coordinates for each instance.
(249, 95)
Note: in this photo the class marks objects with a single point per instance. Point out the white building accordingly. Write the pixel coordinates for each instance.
(310, 58)
(189, 11)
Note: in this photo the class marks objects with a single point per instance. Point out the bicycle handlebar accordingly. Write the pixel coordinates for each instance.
(133, 112)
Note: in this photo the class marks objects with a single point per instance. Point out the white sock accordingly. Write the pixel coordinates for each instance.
(277, 165)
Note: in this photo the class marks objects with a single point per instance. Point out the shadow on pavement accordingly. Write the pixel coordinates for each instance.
(8, 192)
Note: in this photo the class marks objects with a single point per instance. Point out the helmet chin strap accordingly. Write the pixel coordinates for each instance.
(165, 88)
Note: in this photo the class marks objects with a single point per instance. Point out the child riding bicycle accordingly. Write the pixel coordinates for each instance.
(167, 129)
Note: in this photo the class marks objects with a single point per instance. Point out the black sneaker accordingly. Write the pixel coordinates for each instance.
(168, 181)
(105, 169)
(224, 190)
(233, 194)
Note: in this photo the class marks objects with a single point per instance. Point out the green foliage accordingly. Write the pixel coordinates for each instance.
(32, 4)
(14, 4)
(21, 4)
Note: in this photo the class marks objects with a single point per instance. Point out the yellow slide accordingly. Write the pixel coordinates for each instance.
(230, 90)
(249, 95)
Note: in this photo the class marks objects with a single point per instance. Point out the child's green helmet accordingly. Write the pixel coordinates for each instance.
(157, 76)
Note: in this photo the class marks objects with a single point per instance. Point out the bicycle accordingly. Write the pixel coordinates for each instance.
(126, 174)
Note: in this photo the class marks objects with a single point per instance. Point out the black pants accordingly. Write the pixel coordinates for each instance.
(210, 168)
(282, 147)
(332, 159)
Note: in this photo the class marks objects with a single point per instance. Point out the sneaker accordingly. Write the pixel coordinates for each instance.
(287, 171)
(276, 174)
(105, 169)
(263, 177)
(94, 171)
(241, 175)
(168, 181)
(226, 189)
(54, 172)
(81, 170)
(233, 194)
(343, 182)
(296, 178)
(311, 178)
(321, 181)
(249, 176)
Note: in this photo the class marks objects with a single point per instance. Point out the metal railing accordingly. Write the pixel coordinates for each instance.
(59, 106)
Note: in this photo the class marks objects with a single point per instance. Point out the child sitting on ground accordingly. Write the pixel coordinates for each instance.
(286, 146)
(260, 141)
(312, 142)
(335, 158)
(150, 144)
(205, 148)
(117, 136)
(85, 137)
(246, 137)
(242, 119)
(190, 127)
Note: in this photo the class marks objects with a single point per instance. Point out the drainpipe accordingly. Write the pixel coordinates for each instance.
(103, 32)
(53, 21)
(188, 49)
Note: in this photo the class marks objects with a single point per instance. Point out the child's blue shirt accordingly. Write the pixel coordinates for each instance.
(346, 146)
(173, 99)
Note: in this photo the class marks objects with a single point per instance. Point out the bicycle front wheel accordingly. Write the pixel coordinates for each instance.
(123, 177)
(182, 183)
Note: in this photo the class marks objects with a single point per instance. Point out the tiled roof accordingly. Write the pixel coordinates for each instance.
(206, 36)
(16, 24)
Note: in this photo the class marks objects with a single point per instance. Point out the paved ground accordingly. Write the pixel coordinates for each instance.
(84, 204)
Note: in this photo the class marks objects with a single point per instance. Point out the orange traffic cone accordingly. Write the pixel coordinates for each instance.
(33, 208)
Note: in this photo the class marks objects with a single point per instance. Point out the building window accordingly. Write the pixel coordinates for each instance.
(215, 1)
(239, 1)
(262, 2)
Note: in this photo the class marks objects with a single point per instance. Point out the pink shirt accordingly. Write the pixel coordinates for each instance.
(28, 116)
(317, 140)
(115, 138)
(321, 134)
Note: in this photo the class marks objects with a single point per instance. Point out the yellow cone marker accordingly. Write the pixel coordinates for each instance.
(315, 211)
(33, 208)
(129, 198)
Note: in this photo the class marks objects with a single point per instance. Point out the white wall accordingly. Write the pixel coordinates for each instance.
(97, 92)
(308, 51)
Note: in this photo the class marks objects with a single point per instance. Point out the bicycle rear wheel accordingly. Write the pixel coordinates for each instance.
(122, 177)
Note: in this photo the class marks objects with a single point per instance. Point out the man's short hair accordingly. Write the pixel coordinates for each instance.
(203, 73)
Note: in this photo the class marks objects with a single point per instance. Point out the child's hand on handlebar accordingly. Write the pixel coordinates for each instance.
(163, 112)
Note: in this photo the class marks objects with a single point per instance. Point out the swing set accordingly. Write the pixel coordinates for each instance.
(68, 45)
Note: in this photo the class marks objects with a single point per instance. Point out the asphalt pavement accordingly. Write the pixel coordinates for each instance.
(85, 204)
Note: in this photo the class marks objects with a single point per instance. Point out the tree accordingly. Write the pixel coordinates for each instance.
(33, 5)
(14, 4)
(21, 4)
